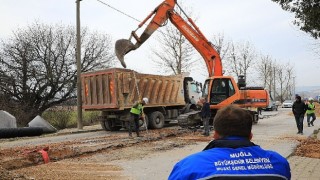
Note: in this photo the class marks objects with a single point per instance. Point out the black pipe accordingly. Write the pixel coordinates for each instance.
(20, 132)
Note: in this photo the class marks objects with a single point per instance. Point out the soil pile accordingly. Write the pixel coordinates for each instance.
(309, 148)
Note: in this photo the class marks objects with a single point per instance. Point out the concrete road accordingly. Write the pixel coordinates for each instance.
(277, 131)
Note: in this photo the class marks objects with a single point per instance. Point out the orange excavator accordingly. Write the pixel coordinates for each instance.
(220, 90)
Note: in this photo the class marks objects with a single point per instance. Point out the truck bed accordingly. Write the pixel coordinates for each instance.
(115, 89)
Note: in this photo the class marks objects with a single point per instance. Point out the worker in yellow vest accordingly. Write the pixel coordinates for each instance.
(310, 112)
(136, 114)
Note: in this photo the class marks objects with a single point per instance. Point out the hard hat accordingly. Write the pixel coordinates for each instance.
(146, 100)
(310, 99)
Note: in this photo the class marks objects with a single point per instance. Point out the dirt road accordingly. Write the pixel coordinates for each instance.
(106, 155)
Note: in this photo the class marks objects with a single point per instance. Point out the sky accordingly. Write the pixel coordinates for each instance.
(261, 22)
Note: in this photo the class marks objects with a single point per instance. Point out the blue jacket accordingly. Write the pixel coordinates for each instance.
(230, 157)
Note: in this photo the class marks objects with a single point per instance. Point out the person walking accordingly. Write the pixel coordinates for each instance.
(192, 100)
(136, 113)
(299, 108)
(232, 155)
(310, 112)
(205, 116)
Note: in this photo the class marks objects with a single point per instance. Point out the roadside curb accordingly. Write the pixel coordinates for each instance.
(265, 116)
(77, 132)
(86, 129)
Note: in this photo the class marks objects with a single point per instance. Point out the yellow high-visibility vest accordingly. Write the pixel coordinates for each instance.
(311, 106)
(137, 110)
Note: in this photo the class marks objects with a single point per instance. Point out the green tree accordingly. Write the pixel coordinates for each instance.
(38, 67)
(307, 13)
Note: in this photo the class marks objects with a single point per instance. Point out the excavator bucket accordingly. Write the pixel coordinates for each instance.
(123, 46)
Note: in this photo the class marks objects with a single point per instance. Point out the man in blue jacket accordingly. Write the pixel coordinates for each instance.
(231, 155)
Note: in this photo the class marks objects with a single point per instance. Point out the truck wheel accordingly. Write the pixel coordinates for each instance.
(107, 125)
(156, 120)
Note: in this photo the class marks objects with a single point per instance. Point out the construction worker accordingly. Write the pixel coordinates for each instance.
(205, 116)
(310, 112)
(299, 108)
(192, 100)
(232, 155)
(136, 113)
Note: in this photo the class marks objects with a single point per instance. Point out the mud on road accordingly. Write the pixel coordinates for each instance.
(89, 158)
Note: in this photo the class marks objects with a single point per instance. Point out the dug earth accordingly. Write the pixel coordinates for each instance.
(112, 155)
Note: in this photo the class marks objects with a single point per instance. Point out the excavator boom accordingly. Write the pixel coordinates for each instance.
(218, 89)
(160, 15)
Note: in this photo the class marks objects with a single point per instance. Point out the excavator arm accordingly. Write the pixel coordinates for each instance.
(218, 89)
(159, 16)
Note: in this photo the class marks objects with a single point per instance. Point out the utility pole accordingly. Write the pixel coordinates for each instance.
(78, 59)
(294, 86)
(274, 82)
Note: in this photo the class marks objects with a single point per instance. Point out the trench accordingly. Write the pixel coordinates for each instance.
(21, 157)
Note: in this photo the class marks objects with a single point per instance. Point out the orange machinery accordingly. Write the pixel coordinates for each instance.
(219, 89)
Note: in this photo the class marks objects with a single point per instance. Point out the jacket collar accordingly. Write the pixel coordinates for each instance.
(229, 142)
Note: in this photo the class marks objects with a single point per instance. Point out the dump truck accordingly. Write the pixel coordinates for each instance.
(113, 91)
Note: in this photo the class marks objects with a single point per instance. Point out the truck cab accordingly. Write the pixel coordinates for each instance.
(194, 90)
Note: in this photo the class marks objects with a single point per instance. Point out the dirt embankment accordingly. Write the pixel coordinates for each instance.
(28, 161)
(309, 147)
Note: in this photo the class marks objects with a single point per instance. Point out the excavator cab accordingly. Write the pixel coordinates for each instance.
(220, 90)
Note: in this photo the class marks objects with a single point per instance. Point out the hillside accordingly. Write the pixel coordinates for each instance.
(308, 91)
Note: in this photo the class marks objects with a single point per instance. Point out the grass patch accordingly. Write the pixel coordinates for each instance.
(66, 117)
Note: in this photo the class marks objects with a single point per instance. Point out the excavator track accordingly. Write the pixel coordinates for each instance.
(189, 120)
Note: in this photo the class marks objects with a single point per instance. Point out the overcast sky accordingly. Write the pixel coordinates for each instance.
(261, 22)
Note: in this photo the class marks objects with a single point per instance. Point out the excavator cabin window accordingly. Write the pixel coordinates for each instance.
(221, 89)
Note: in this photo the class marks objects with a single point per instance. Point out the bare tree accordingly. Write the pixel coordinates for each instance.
(241, 58)
(264, 70)
(222, 46)
(289, 70)
(175, 54)
(283, 86)
(38, 67)
(281, 79)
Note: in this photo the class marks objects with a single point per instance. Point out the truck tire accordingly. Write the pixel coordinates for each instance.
(107, 125)
(156, 120)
